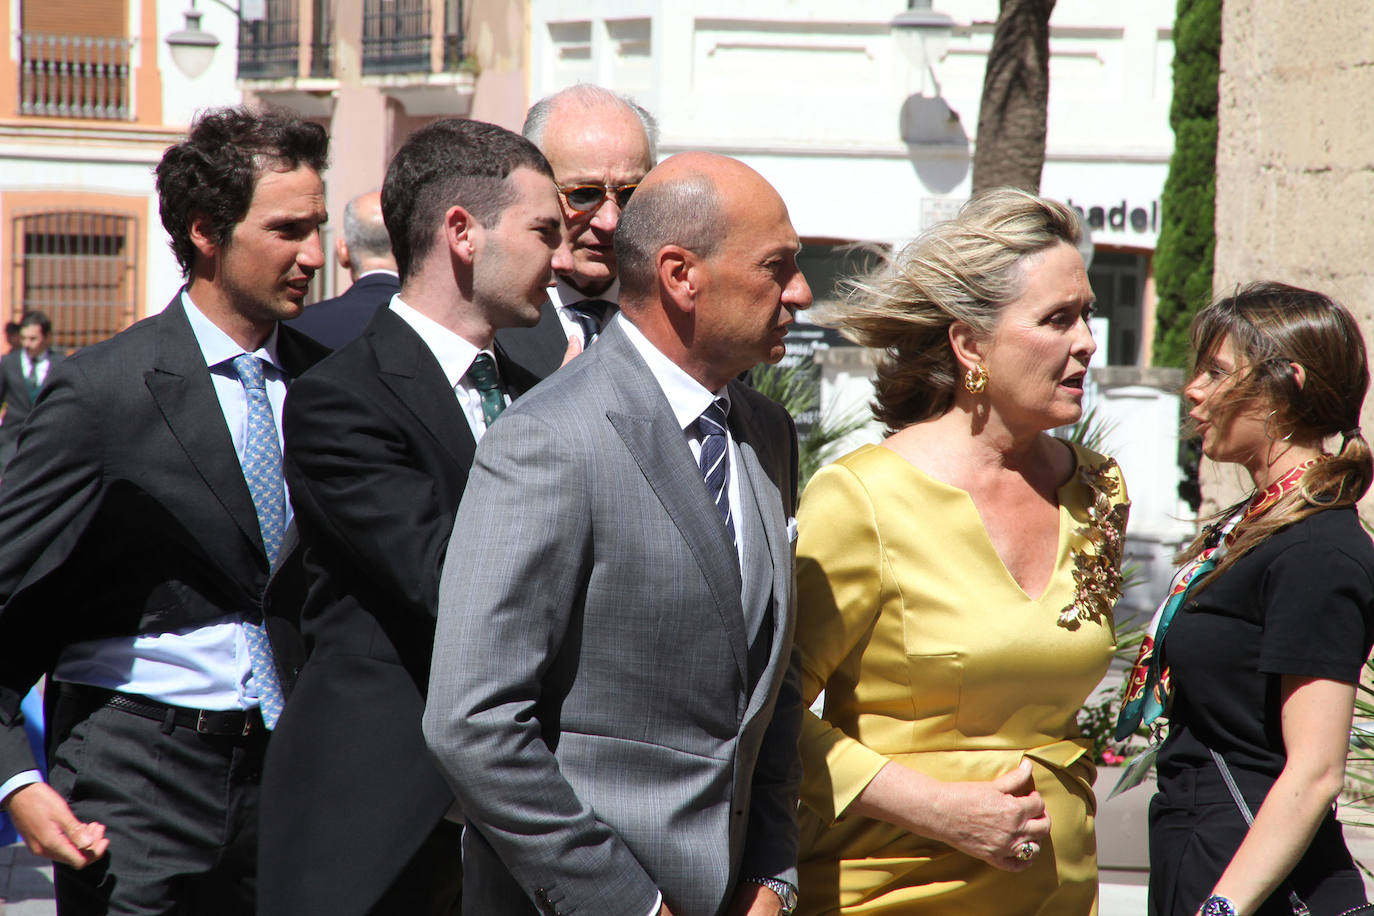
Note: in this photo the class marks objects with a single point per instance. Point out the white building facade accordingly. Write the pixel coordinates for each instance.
(867, 148)
(89, 99)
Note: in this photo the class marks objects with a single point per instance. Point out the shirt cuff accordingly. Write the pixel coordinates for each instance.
(658, 905)
(15, 783)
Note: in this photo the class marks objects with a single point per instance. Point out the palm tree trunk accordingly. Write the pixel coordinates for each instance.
(1016, 89)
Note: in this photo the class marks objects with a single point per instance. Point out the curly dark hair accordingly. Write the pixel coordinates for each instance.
(448, 162)
(214, 171)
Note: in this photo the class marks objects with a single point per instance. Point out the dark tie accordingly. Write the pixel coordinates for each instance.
(484, 377)
(591, 317)
(715, 464)
(31, 380)
(262, 472)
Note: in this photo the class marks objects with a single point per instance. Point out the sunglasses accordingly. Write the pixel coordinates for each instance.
(585, 198)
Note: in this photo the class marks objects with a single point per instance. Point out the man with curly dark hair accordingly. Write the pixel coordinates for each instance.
(146, 559)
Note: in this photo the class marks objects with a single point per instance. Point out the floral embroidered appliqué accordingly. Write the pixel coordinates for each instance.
(1097, 567)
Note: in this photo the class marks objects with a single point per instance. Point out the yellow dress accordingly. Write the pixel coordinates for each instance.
(931, 655)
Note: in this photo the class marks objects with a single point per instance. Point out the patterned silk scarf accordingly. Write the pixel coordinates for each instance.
(1147, 690)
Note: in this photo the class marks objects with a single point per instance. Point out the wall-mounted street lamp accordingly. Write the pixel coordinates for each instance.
(193, 48)
(922, 34)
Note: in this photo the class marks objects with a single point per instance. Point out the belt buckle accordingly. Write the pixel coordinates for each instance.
(201, 725)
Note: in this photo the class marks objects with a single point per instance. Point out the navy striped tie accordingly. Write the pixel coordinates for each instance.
(591, 317)
(715, 459)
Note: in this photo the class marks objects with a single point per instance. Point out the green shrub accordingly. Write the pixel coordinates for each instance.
(1187, 235)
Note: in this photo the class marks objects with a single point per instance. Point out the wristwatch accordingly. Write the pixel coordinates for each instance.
(786, 892)
(1218, 906)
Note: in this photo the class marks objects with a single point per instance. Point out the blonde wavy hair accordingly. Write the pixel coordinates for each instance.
(1271, 326)
(965, 269)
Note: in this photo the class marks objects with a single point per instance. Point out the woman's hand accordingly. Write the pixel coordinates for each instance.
(991, 821)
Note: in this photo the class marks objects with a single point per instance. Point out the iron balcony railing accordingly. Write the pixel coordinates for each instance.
(397, 36)
(269, 47)
(74, 76)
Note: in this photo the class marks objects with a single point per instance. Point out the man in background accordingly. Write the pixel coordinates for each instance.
(600, 145)
(22, 374)
(364, 248)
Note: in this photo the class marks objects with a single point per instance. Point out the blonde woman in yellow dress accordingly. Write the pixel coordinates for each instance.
(956, 585)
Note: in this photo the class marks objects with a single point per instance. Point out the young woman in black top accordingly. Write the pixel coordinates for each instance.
(1274, 618)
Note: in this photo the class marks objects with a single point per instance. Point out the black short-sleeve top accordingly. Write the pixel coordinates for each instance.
(1301, 603)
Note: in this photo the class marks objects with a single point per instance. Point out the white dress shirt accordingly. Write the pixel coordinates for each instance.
(455, 355)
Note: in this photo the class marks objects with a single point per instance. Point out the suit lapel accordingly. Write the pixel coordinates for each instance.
(773, 552)
(758, 559)
(757, 452)
(647, 427)
(412, 373)
(180, 384)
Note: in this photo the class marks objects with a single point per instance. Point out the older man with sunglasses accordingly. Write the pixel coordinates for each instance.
(600, 145)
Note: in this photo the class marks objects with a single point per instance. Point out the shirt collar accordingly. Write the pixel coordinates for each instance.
(686, 396)
(454, 352)
(562, 293)
(218, 347)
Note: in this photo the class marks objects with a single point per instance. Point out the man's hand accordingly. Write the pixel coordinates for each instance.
(664, 911)
(755, 900)
(51, 830)
(574, 348)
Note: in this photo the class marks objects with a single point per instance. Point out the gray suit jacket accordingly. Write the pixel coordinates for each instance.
(597, 699)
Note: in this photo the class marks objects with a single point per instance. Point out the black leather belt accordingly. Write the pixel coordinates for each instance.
(233, 722)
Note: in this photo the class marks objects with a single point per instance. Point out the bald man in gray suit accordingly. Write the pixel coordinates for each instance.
(613, 695)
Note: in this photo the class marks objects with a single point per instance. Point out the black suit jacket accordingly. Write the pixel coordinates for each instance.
(377, 456)
(126, 512)
(14, 394)
(540, 349)
(334, 322)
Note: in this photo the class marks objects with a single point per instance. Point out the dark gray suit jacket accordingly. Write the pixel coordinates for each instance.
(126, 512)
(597, 699)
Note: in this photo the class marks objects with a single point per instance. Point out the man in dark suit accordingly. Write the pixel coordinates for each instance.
(379, 441)
(146, 561)
(614, 696)
(22, 374)
(364, 248)
(600, 145)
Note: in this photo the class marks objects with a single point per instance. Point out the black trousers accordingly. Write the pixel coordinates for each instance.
(180, 810)
(1195, 829)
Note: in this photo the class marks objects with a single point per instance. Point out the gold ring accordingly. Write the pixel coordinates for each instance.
(1027, 850)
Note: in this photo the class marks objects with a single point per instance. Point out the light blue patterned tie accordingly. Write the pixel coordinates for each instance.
(715, 463)
(262, 473)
